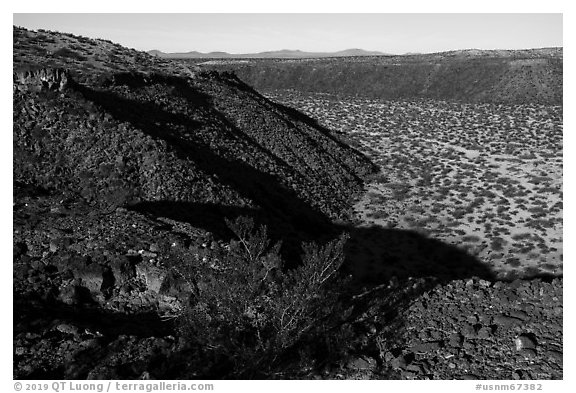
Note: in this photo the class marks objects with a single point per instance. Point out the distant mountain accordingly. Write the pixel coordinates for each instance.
(279, 54)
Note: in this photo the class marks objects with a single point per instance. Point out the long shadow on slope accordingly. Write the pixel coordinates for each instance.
(178, 131)
(376, 254)
(291, 229)
(191, 95)
(294, 114)
(373, 255)
(36, 316)
(285, 213)
(299, 116)
(343, 156)
(111, 324)
(304, 118)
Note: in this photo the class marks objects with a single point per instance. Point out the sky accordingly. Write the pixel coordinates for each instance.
(250, 33)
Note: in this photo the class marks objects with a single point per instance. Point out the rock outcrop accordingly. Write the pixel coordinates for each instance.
(52, 79)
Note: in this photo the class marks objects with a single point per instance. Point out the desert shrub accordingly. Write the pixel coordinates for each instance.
(471, 238)
(379, 178)
(249, 314)
(378, 215)
(497, 244)
(459, 213)
(514, 262)
(400, 191)
(522, 236)
(68, 54)
(426, 178)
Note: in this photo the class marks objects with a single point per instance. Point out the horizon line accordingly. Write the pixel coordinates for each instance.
(384, 53)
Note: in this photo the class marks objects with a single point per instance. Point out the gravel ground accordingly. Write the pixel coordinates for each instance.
(466, 329)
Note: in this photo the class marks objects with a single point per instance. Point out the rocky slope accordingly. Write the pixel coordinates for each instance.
(124, 137)
(470, 76)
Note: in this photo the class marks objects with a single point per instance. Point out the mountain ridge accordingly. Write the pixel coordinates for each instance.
(357, 52)
(283, 53)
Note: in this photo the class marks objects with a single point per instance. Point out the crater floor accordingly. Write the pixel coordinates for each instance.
(486, 178)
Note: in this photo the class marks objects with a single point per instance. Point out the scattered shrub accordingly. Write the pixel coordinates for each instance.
(471, 238)
(70, 54)
(249, 313)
